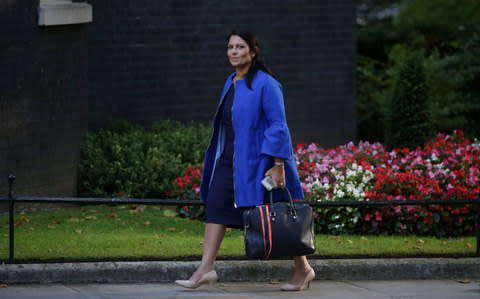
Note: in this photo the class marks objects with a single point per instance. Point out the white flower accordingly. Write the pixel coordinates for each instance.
(350, 188)
(356, 193)
(367, 177)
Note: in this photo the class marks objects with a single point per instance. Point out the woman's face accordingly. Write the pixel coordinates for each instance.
(239, 52)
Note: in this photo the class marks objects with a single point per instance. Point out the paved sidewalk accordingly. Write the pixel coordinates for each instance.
(437, 289)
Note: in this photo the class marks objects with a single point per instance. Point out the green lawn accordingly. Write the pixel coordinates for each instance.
(126, 232)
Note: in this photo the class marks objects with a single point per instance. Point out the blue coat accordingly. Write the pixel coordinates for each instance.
(261, 133)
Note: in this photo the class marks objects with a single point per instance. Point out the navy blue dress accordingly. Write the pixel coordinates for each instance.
(220, 200)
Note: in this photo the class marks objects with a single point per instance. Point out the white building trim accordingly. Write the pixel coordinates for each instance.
(63, 12)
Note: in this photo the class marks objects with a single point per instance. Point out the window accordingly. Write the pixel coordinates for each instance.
(63, 12)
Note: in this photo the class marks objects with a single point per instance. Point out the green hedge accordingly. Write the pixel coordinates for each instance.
(128, 160)
(408, 121)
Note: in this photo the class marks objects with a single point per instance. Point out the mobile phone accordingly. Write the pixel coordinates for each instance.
(267, 182)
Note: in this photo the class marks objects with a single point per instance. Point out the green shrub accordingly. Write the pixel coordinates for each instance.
(373, 82)
(127, 160)
(452, 87)
(408, 121)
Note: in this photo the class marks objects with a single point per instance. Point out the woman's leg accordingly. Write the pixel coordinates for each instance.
(214, 234)
(302, 276)
(302, 267)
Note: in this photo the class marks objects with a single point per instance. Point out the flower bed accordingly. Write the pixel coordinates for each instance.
(446, 168)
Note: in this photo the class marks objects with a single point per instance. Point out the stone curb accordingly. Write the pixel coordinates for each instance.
(230, 271)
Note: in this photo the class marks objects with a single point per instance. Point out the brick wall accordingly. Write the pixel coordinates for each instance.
(147, 60)
(152, 60)
(43, 101)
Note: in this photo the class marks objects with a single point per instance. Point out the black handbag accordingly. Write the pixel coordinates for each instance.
(279, 230)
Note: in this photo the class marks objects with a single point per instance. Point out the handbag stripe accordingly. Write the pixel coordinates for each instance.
(262, 221)
(267, 256)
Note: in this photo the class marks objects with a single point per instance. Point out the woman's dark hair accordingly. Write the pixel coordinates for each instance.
(252, 41)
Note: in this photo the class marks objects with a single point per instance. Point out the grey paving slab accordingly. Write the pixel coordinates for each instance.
(423, 288)
(437, 289)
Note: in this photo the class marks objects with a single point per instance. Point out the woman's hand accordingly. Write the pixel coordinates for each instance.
(277, 172)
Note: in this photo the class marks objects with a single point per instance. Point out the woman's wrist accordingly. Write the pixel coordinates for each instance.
(278, 161)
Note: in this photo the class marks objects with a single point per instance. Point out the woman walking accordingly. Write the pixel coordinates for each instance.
(250, 140)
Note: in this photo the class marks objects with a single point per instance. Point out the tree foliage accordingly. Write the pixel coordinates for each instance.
(454, 89)
(439, 16)
(448, 34)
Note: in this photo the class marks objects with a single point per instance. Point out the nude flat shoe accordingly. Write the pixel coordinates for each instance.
(209, 277)
(296, 288)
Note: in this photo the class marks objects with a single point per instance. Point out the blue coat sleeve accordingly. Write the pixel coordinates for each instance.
(277, 141)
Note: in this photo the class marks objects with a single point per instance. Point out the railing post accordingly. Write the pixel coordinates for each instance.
(478, 229)
(11, 210)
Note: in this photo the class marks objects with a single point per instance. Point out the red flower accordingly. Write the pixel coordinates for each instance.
(405, 150)
(378, 216)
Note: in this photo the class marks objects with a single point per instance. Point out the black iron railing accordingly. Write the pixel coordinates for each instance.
(12, 199)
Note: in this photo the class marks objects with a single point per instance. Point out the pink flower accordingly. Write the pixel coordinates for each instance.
(306, 188)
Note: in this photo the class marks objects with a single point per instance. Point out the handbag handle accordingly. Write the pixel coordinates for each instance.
(293, 211)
